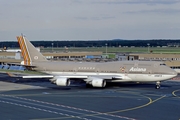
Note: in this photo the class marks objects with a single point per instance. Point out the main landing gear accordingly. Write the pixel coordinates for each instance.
(158, 85)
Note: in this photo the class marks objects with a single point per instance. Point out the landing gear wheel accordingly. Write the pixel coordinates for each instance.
(158, 86)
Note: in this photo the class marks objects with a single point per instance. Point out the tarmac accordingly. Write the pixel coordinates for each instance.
(41, 100)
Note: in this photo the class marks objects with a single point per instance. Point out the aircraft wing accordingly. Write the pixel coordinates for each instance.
(27, 75)
(111, 77)
(108, 76)
(94, 80)
(38, 76)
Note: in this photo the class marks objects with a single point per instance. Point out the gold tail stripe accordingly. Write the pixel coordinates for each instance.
(26, 52)
(22, 50)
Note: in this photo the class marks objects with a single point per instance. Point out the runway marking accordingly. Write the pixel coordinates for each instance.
(154, 95)
(98, 113)
(93, 96)
(71, 116)
(150, 102)
(54, 108)
(173, 93)
(110, 113)
(57, 93)
(95, 112)
(81, 116)
(58, 118)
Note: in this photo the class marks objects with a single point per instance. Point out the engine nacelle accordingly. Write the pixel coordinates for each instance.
(62, 81)
(97, 82)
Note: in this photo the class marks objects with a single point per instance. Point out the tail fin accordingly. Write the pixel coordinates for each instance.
(29, 52)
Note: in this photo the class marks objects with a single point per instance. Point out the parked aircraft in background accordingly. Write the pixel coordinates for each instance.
(93, 73)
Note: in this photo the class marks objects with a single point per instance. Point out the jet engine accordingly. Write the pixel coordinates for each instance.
(97, 82)
(62, 81)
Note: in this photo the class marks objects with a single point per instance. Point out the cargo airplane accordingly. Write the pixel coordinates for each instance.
(93, 73)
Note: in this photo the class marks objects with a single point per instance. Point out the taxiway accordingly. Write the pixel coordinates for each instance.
(38, 100)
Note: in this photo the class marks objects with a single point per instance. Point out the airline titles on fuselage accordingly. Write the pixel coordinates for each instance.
(136, 69)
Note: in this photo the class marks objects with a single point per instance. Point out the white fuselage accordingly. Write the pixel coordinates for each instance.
(127, 71)
(124, 77)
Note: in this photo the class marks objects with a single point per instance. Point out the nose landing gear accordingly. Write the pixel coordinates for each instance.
(158, 85)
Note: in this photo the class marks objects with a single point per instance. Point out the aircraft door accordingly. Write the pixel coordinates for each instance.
(75, 70)
(97, 71)
(44, 68)
(149, 71)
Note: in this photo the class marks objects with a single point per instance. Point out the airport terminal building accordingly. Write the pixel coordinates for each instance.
(15, 57)
(172, 60)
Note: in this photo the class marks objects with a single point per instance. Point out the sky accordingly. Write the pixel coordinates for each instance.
(89, 19)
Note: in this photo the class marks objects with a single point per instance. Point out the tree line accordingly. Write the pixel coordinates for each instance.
(98, 43)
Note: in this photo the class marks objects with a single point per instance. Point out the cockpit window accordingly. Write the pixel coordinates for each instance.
(163, 64)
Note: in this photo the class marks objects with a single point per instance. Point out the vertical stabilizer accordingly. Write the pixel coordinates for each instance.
(29, 52)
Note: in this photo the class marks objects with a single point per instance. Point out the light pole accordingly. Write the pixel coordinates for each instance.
(148, 47)
(106, 48)
(52, 46)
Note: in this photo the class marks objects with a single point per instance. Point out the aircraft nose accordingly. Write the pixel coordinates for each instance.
(174, 73)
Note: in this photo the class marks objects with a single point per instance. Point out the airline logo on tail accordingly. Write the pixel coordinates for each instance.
(24, 50)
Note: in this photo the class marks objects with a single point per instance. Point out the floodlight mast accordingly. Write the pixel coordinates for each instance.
(148, 46)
